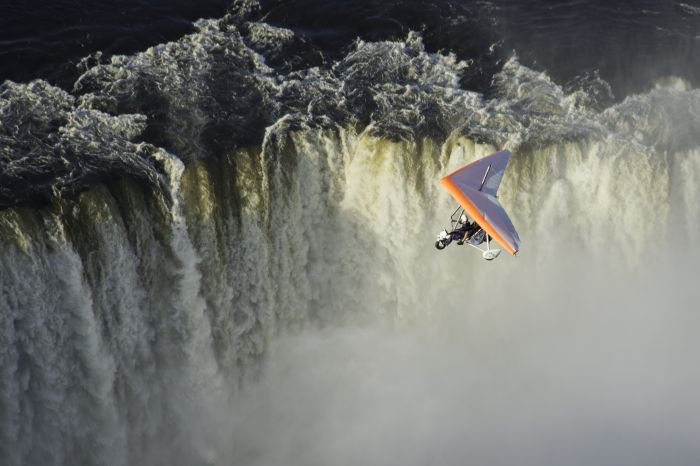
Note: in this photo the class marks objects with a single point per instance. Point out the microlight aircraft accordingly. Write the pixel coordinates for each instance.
(474, 187)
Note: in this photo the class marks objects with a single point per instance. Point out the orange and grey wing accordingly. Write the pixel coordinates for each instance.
(475, 186)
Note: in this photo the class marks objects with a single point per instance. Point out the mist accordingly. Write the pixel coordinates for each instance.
(577, 362)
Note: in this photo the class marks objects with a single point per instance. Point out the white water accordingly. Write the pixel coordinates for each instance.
(303, 316)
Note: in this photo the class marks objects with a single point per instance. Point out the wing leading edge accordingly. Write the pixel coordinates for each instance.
(475, 186)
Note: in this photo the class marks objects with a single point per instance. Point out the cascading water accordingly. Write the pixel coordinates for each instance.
(257, 283)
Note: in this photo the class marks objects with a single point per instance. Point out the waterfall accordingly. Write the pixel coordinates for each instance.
(132, 319)
(208, 257)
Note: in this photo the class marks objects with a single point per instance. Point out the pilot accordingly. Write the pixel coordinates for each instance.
(464, 230)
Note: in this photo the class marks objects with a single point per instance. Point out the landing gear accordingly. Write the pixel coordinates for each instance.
(489, 254)
(443, 240)
(475, 239)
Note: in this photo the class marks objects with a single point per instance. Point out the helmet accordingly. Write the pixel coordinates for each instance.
(463, 219)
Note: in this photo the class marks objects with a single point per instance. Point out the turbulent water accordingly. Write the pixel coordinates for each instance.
(219, 251)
